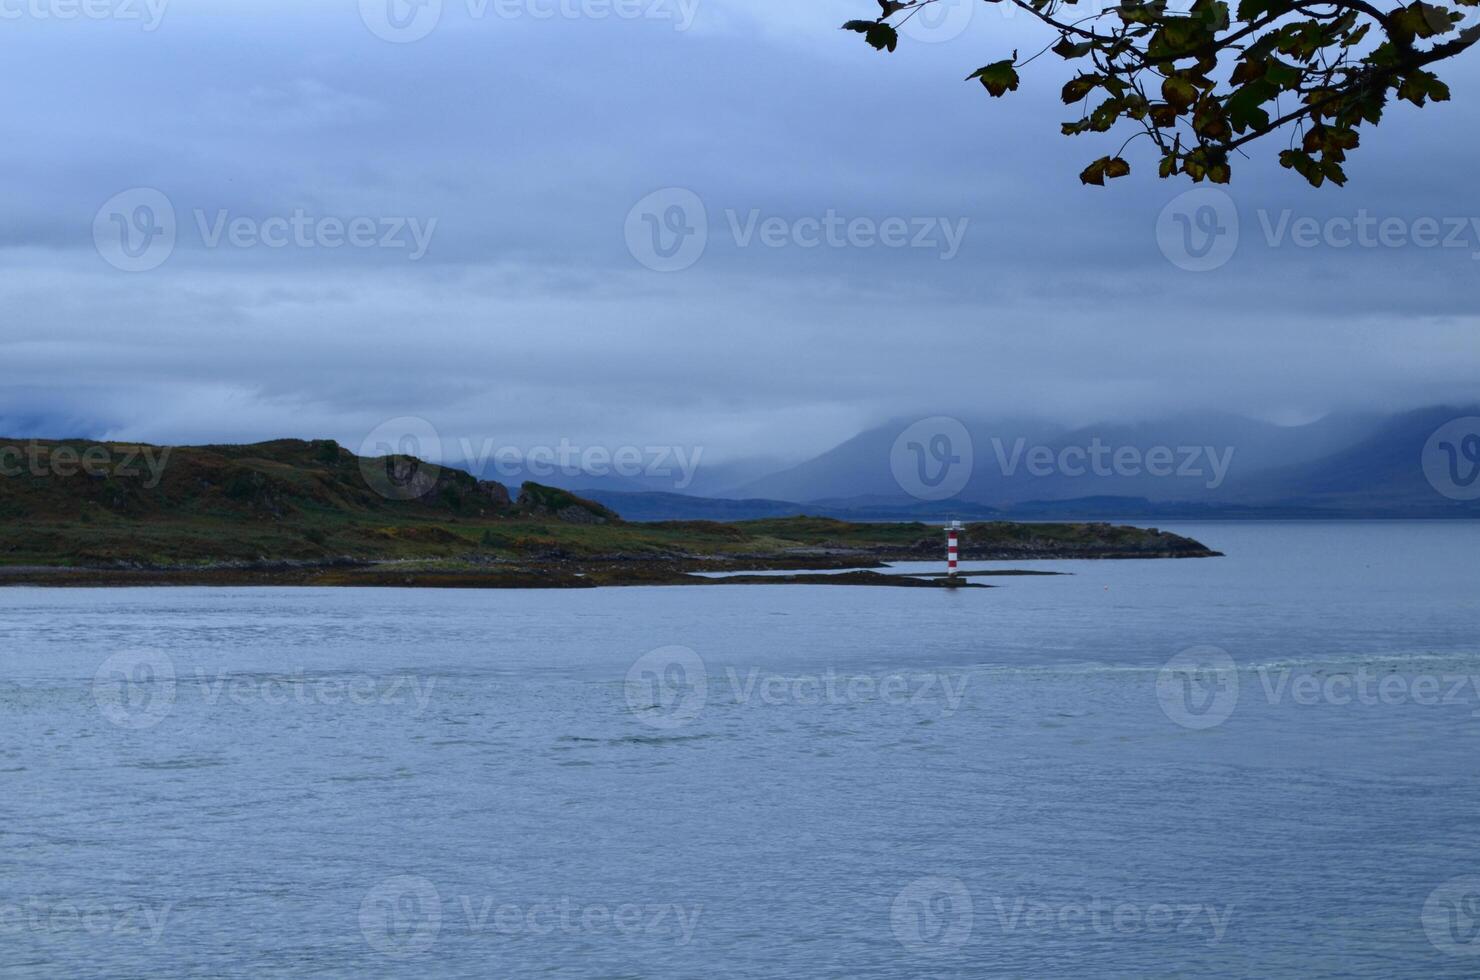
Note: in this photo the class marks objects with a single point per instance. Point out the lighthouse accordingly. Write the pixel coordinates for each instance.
(952, 532)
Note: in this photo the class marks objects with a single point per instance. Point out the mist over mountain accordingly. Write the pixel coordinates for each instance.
(1387, 467)
(1191, 464)
(1419, 463)
(673, 470)
(1230, 449)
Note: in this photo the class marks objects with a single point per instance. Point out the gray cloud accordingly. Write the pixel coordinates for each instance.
(528, 319)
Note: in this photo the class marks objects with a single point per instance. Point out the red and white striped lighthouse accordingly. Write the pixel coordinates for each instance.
(951, 550)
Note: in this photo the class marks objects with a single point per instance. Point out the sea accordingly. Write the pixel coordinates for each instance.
(1265, 764)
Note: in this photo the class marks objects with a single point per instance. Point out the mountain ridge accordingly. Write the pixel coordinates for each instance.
(1359, 463)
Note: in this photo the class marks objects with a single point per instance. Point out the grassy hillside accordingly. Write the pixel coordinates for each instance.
(106, 505)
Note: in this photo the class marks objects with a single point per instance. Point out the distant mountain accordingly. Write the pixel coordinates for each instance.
(861, 465)
(1383, 470)
(665, 470)
(1210, 465)
(1007, 459)
(681, 507)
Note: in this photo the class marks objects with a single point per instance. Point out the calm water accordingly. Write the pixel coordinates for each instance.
(760, 781)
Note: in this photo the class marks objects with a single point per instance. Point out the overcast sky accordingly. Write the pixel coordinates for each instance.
(501, 285)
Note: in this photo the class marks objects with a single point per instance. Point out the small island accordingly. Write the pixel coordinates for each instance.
(293, 512)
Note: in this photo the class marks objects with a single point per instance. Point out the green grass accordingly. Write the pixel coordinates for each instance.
(310, 501)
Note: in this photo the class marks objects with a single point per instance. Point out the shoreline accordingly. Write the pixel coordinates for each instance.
(840, 570)
(290, 512)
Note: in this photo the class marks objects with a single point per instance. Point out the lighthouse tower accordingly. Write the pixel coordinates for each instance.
(952, 532)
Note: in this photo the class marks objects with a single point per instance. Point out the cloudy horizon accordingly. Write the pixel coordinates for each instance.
(459, 228)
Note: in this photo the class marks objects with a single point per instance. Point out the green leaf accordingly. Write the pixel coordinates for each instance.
(1179, 93)
(1301, 41)
(1333, 140)
(1210, 121)
(1133, 12)
(998, 78)
(1177, 39)
(1251, 10)
(1163, 116)
(1135, 106)
(1281, 74)
(1080, 86)
(1303, 164)
(1365, 107)
(1385, 55)
(1421, 85)
(1249, 70)
(1423, 20)
(881, 36)
(1212, 13)
(1207, 164)
(1105, 114)
(1067, 49)
(1246, 105)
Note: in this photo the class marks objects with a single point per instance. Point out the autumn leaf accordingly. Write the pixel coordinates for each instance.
(1103, 168)
(998, 78)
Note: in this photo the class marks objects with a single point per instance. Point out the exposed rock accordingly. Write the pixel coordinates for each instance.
(543, 501)
(496, 494)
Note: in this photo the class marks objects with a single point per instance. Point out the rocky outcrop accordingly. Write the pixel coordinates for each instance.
(495, 494)
(536, 500)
